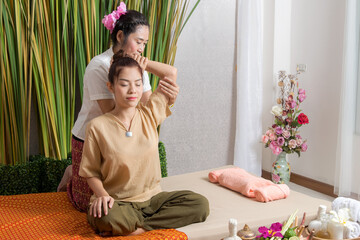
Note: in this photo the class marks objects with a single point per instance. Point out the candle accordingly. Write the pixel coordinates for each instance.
(336, 230)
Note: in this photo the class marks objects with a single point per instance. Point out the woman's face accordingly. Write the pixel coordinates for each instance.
(127, 87)
(137, 40)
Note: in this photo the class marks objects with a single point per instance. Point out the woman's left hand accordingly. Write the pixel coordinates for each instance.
(143, 61)
(169, 88)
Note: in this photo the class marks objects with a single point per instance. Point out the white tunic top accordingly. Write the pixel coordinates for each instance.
(95, 79)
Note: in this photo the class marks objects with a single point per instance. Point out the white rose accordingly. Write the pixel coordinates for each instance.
(276, 110)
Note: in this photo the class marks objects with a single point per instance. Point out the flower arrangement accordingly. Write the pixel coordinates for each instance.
(279, 231)
(283, 135)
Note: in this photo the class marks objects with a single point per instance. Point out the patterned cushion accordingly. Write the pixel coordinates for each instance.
(51, 216)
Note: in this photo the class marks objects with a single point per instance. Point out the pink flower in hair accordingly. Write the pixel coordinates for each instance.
(109, 20)
(121, 9)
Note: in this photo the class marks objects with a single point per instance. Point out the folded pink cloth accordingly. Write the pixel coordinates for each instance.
(272, 192)
(239, 180)
(214, 175)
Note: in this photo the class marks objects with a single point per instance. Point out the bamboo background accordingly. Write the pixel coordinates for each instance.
(46, 45)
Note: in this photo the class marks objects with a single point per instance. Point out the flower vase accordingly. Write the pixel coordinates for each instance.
(281, 170)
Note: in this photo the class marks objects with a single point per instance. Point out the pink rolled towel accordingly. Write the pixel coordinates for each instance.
(239, 180)
(272, 192)
(214, 175)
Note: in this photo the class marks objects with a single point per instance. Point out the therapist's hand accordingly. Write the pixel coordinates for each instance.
(143, 61)
(169, 88)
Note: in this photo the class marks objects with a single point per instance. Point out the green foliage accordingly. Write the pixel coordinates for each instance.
(40, 174)
(46, 46)
(162, 156)
(20, 179)
(43, 174)
(15, 81)
(52, 172)
(290, 233)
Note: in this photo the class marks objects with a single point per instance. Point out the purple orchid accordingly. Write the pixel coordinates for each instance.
(273, 231)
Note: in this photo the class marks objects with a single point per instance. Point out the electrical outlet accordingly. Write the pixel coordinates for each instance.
(301, 67)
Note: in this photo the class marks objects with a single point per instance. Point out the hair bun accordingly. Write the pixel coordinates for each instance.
(118, 55)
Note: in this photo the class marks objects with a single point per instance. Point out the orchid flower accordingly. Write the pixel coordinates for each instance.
(273, 231)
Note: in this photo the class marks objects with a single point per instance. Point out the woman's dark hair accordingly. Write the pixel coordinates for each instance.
(119, 62)
(128, 24)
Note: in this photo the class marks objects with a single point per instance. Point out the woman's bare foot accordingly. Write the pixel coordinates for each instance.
(137, 232)
(65, 179)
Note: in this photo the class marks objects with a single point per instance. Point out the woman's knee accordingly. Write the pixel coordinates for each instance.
(104, 223)
(120, 220)
(201, 206)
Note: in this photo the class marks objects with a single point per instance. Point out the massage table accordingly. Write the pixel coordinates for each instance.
(226, 204)
(51, 215)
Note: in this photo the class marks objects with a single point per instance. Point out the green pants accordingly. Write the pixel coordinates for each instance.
(164, 210)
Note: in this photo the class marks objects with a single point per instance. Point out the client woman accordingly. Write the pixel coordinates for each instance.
(121, 161)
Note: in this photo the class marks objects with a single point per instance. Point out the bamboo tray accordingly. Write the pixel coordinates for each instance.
(318, 238)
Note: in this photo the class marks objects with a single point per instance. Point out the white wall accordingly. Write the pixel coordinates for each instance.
(317, 29)
(317, 40)
(199, 134)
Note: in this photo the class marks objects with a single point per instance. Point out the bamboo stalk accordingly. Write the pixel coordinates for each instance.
(46, 46)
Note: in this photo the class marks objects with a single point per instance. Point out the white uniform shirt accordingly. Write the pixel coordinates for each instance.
(95, 79)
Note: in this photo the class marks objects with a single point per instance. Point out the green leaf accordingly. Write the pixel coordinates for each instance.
(290, 233)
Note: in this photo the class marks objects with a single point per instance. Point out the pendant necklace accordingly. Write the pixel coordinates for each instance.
(128, 133)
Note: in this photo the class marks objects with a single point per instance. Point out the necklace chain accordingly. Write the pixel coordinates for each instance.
(125, 125)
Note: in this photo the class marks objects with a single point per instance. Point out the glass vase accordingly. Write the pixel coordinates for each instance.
(281, 170)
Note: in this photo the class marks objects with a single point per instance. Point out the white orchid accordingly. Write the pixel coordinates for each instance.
(342, 216)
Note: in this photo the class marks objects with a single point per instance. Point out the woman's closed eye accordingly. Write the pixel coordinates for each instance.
(143, 43)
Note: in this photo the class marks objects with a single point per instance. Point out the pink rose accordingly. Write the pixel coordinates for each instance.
(272, 136)
(277, 150)
(278, 130)
(268, 132)
(304, 147)
(272, 145)
(280, 141)
(292, 104)
(301, 97)
(299, 141)
(301, 91)
(298, 136)
(264, 138)
(286, 134)
(292, 143)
